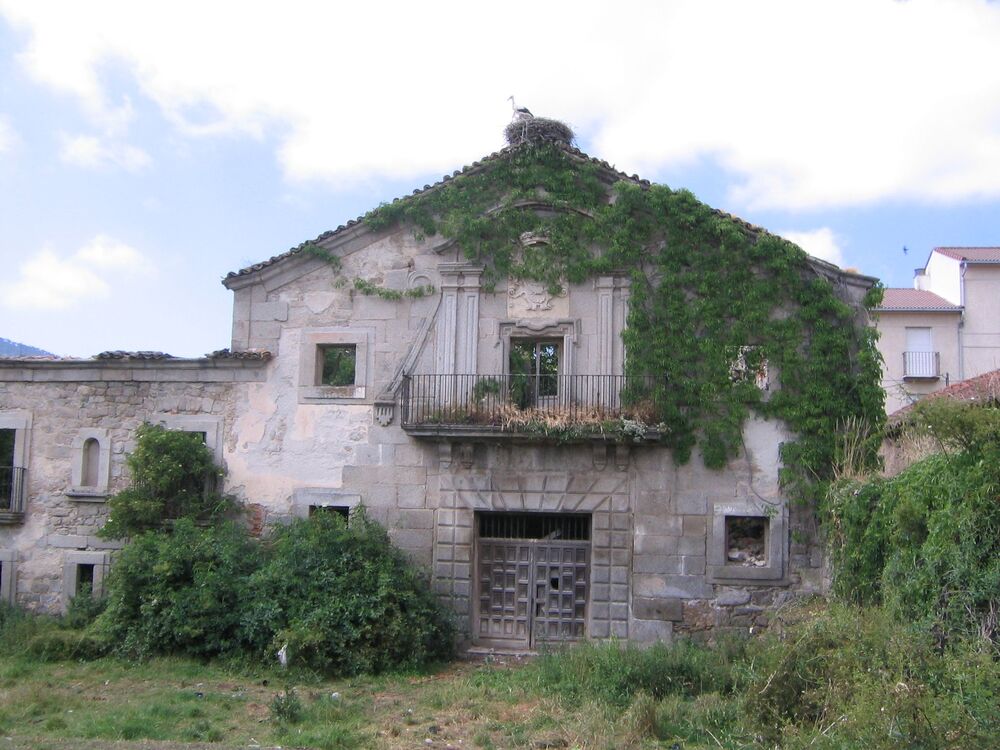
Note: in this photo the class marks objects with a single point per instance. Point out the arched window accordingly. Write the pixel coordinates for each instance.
(91, 463)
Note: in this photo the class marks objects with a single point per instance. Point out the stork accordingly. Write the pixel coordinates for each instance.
(520, 113)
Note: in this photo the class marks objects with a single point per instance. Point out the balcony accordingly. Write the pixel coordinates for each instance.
(12, 488)
(544, 408)
(921, 365)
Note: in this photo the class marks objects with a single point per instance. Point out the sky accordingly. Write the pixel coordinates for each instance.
(147, 149)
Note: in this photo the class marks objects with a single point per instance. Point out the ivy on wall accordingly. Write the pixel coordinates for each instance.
(704, 286)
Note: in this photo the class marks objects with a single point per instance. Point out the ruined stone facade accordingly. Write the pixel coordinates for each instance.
(647, 550)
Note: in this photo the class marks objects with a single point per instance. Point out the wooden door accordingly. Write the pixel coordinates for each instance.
(531, 591)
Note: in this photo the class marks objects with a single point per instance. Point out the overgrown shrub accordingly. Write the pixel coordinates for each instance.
(343, 599)
(927, 541)
(857, 678)
(180, 592)
(173, 476)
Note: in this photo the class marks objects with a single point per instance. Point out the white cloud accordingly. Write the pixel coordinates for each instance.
(47, 281)
(804, 105)
(820, 243)
(108, 253)
(93, 152)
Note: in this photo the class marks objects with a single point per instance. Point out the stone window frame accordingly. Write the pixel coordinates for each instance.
(310, 363)
(719, 568)
(20, 422)
(565, 331)
(72, 560)
(8, 579)
(304, 498)
(209, 425)
(100, 491)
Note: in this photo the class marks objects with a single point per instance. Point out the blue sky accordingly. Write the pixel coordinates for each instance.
(146, 149)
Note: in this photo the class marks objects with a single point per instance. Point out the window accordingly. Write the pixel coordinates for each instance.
(84, 573)
(308, 501)
(337, 364)
(91, 470)
(747, 542)
(14, 429)
(534, 369)
(334, 365)
(340, 510)
(7, 583)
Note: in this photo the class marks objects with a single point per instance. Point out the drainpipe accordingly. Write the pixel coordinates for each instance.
(961, 321)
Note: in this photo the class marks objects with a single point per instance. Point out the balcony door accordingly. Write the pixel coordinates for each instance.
(919, 359)
(534, 367)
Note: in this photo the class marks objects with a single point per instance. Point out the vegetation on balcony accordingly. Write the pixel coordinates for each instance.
(563, 408)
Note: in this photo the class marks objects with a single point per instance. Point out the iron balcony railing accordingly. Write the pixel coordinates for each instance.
(12, 486)
(921, 364)
(529, 403)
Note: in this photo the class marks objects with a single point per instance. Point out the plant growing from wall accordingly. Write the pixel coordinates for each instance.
(173, 476)
(704, 285)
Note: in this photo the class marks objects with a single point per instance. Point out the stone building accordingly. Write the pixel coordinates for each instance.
(375, 365)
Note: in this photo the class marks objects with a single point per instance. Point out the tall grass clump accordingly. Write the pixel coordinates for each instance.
(614, 673)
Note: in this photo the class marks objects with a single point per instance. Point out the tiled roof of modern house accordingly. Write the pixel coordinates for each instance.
(982, 389)
(972, 254)
(476, 166)
(915, 299)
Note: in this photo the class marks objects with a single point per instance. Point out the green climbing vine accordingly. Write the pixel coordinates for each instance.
(704, 286)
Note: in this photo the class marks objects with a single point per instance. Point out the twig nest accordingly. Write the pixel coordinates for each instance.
(537, 130)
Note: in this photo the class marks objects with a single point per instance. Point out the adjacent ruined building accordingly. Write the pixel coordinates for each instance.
(487, 423)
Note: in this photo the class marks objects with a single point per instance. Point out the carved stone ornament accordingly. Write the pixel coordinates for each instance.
(535, 294)
(384, 413)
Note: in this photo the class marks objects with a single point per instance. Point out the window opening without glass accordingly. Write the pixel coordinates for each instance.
(340, 510)
(746, 541)
(337, 364)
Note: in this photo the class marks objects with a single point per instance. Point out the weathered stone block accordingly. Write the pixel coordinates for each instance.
(732, 597)
(657, 608)
(651, 631)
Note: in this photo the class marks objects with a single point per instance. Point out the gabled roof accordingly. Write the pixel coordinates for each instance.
(915, 300)
(971, 254)
(612, 174)
(982, 389)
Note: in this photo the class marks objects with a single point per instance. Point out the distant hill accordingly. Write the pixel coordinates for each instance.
(10, 348)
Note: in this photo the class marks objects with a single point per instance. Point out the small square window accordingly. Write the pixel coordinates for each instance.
(338, 363)
(746, 541)
(339, 510)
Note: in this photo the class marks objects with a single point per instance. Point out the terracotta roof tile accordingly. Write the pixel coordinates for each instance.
(915, 299)
(983, 388)
(972, 254)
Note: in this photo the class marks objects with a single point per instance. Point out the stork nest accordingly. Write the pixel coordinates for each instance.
(537, 130)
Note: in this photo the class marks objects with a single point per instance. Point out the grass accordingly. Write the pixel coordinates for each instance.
(831, 678)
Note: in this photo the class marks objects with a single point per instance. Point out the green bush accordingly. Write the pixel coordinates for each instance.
(83, 609)
(343, 600)
(180, 592)
(173, 476)
(927, 542)
(856, 678)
